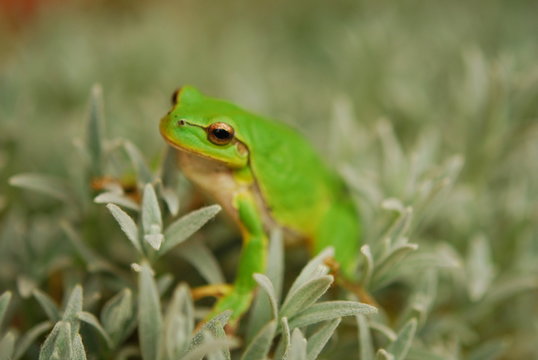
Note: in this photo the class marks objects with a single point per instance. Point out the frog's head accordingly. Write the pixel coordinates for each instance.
(205, 127)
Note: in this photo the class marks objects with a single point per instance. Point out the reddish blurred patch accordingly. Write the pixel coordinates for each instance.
(15, 13)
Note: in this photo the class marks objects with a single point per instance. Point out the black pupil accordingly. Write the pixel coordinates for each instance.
(221, 134)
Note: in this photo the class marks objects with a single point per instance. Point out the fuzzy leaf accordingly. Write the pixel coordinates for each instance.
(306, 295)
(329, 310)
(149, 314)
(72, 308)
(58, 344)
(117, 199)
(315, 268)
(178, 323)
(184, 227)
(151, 218)
(117, 316)
(44, 184)
(144, 173)
(400, 347)
(127, 225)
(298, 346)
(318, 340)
(29, 337)
(78, 348)
(4, 303)
(480, 268)
(258, 348)
(199, 256)
(267, 286)
(91, 320)
(366, 348)
(7, 345)
(284, 344)
(94, 139)
(47, 304)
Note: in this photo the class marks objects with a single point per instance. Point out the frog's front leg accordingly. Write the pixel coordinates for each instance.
(252, 259)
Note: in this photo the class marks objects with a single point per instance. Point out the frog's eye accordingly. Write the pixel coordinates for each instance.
(220, 133)
(174, 96)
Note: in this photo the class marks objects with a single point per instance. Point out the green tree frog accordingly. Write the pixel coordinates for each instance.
(263, 174)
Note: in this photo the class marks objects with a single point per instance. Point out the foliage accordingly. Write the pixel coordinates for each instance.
(427, 110)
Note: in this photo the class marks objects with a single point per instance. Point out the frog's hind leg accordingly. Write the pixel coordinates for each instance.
(340, 229)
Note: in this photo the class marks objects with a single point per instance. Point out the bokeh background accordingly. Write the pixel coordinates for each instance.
(388, 92)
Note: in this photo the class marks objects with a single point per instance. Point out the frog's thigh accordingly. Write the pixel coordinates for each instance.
(340, 228)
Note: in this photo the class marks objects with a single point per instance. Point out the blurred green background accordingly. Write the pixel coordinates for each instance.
(385, 90)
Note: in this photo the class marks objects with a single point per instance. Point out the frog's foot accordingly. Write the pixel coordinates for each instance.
(214, 290)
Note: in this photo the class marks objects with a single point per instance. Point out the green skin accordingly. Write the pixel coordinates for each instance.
(266, 175)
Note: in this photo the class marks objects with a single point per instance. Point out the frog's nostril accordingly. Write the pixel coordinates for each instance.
(181, 123)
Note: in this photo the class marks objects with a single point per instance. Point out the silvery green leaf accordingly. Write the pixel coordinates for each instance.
(144, 173)
(318, 340)
(423, 298)
(94, 139)
(78, 349)
(25, 285)
(382, 354)
(58, 345)
(128, 352)
(297, 346)
(44, 184)
(210, 331)
(127, 225)
(480, 268)
(72, 308)
(154, 240)
(393, 159)
(117, 199)
(91, 320)
(47, 304)
(384, 330)
(258, 348)
(203, 260)
(164, 282)
(178, 323)
(400, 229)
(184, 227)
(29, 337)
(117, 316)
(313, 269)
(7, 345)
(267, 286)
(489, 350)
(384, 267)
(94, 261)
(283, 348)
(329, 310)
(366, 347)
(401, 345)
(261, 307)
(305, 295)
(210, 347)
(171, 199)
(151, 217)
(5, 298)
(368, 264)
(508, 288)
(149, 314)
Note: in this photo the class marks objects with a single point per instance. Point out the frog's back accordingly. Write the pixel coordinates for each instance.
(295, 183)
